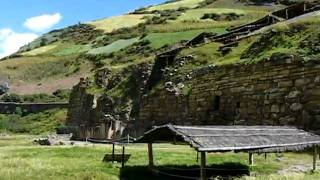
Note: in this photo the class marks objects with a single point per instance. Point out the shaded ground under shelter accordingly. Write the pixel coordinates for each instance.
(250, 139)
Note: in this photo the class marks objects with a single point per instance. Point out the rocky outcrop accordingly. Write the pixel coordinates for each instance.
(80, 104)
(105, 117)
(4, 85)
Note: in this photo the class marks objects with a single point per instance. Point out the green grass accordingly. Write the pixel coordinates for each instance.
(209, 54)
(197, 14)
(67, 49)
(117, 22)
(19, 159)
(39, 123)
(243, 5)
(180, 26)
(285, 39)
(40, 50)
(113, 47)
(37, 68)
(33, 68)
(160, 39)
(176, 5)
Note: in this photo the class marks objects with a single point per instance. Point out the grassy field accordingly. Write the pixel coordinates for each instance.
(160, 39)
(38, 123)
(244, 6)
(40, 50)
(197, 14)
(176, 5)
(117, 22)
(43, 74)
(19, 159)
(113, 47)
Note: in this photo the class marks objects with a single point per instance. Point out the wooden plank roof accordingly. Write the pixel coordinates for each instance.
(233, 138)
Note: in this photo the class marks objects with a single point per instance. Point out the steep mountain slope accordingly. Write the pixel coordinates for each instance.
(251, 74)
(129, 62)
(57, 59)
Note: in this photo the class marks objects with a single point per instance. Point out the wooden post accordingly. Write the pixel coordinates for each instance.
(128, 138)
(122, 165)
(203, 166)
(265, 156)
(315, 158)
(250, 158)
(150, 154)
(113, 152)
(287, 14)
(197, 156)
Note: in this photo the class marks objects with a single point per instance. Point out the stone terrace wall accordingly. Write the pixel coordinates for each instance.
(10, 108)
(81, 105)
(280, 91)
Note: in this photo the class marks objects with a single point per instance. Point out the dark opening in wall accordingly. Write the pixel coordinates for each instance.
(216, 103)
(238, 105)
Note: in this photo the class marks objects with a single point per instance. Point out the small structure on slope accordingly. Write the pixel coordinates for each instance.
(251, 139)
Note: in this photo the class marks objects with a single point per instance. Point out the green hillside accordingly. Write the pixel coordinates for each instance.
(59, 58)
(161, 54)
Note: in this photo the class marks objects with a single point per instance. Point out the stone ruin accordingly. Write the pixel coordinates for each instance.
(281, 90)
(4, 85)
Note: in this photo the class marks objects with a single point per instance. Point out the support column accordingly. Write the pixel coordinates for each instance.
(197, 156)
(123, 154)
(150, 155)
(250, 159)
(203, 166)
(113, 152)
(314, 167)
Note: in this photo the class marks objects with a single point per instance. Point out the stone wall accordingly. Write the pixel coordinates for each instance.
(278, 91)
(90, 116)
(10, 108)
(81, 103)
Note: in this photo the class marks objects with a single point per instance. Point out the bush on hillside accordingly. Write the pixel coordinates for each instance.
(39, 123)
(221, 17)
(57, 96)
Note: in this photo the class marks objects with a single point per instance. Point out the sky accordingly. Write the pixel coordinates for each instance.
(22, 21)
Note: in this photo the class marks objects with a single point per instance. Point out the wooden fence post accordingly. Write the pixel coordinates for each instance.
(123, 153)
(250, 159)
(150, 155)
(315, 153)
(203, 166)
(113, 152)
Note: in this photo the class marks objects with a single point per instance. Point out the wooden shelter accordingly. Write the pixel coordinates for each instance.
(251, 139)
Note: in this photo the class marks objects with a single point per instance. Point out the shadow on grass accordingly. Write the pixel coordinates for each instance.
(226, 170)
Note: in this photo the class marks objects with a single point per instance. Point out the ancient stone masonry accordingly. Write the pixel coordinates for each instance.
(231, 38)
(80, 104)
(103, 117)
(281, 90)
(275, 92)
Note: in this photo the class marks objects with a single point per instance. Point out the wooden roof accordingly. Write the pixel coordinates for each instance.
(233, 138)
